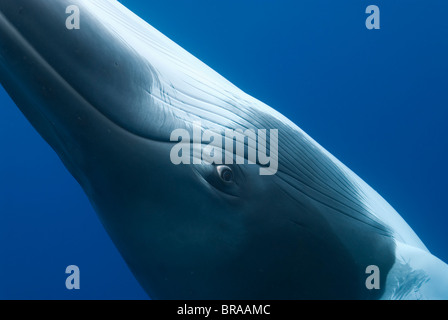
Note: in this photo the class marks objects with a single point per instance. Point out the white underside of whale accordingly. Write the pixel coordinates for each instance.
(196, 92)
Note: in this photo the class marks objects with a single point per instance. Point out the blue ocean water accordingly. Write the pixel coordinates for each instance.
(376, 99)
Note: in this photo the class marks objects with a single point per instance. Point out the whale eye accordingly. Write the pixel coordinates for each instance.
(225, 173)
(227, 179)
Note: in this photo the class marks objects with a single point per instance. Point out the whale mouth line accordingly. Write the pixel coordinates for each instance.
(31, 53)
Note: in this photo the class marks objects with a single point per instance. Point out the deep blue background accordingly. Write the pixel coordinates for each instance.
(376, 99)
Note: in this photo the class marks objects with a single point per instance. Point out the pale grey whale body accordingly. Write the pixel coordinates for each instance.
(106, 97)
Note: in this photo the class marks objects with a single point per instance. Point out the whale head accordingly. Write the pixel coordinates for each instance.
(117, 100)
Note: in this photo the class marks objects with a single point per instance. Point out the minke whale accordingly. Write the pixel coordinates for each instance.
(107, 98)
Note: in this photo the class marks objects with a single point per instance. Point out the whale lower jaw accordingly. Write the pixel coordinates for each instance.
(28, 96)
(61, 115)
